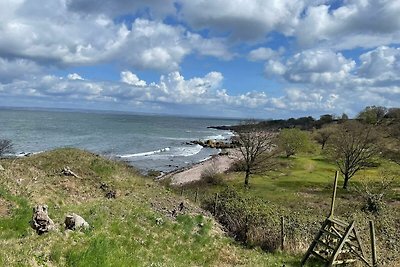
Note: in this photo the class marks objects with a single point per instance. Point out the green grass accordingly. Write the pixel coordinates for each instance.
(124, 231)
(302, 187)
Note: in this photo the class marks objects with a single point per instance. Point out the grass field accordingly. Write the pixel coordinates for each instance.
(301, 187)
(135, 229)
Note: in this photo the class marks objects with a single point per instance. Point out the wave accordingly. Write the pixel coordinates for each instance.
(187, 151)
(205, 159)
(27, 154)
(184, 151)
(144, 154)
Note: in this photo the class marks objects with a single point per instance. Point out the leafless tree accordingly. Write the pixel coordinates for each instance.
(352, 146)
(256, 148)
(6, 146)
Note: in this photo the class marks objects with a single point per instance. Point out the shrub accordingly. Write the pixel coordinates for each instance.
(248, 220)
(238, 166)
(211, 175)
(373, 194)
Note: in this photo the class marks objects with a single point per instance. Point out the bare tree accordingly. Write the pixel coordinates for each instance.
(6, 146)
(256, 147)
(352, 146)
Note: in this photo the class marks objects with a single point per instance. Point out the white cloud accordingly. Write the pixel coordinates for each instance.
(274, 67)
(155, 8)
(131, 78)
(74, 76)
(244, 20)
(264, 53)
(313, 66)
(381, 63)
(357, 23)
(17, 69)
(55, 35)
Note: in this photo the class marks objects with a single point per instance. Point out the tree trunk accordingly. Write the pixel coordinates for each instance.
(246, 179)
(346, 181)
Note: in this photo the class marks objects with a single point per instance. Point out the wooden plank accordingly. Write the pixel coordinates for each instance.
(325, 245)
(331, 234)
(338, 222)
(343, 261)
(357, 253)
(358, 241)
(334, 194)
(319, 256)
(341, 243)
(373, 246)
(283, 237)
(314, 243)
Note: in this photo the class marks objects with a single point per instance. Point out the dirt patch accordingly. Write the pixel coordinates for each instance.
(5, 207)
(222, 163)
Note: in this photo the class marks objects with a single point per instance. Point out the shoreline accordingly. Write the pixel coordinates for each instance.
(193, 172)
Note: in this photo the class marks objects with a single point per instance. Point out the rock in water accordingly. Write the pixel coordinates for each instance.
(75, 222)
(41, 221)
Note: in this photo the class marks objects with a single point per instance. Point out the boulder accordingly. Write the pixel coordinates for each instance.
(41, 221)
(75, 222)
(67, 172)
(1, 168)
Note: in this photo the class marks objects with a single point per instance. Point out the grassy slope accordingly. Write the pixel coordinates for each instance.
(303, 186)
(124, 230)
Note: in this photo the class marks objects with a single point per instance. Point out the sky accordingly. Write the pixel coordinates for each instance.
(222, 58)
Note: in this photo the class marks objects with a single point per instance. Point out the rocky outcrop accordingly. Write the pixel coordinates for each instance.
(219, 144)
(41, 221)
(75, 222)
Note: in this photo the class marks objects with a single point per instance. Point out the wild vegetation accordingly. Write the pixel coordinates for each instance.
(202, 224)
(299, 185)
(142, 226)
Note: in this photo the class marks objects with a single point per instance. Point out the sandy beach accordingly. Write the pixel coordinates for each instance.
(221, 163)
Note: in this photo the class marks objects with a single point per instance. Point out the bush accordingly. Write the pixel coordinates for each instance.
(211, 176)
(248, 220)
(373, 194)
(238, 166)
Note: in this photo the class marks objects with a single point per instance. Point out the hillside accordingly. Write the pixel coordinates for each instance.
(137, 228)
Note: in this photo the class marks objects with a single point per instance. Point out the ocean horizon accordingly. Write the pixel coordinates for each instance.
(145, 141)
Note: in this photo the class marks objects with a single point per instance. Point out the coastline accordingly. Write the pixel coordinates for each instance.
(192, 173)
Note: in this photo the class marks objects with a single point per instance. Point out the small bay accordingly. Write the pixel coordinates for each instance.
(148, 142)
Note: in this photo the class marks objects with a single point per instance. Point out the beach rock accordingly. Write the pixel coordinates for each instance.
(41, 221)
(215, 144)
(1, 168)
(67, 172)
(75, 222)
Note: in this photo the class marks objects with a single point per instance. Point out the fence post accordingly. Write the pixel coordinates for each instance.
(373, 245)
(215, 204)
(182, 191)
(282, 233)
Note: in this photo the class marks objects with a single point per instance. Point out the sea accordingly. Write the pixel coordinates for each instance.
(147, 142)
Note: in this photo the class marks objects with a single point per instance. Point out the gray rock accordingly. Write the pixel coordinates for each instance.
(75, 222)
(41, 221)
